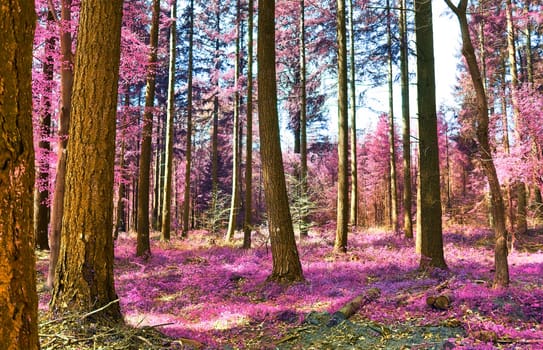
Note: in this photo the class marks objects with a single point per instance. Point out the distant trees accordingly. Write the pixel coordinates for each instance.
(84, 274)
(18, 298)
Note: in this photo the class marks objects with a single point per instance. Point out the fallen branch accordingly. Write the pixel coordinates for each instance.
(353, 306)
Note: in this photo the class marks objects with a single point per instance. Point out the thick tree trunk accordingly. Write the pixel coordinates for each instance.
(501, 277)
(85, 271)
(353, 217)
(343, 147)
(66, 82)
(188, 152)
(286, 263)
(406, 117)
(143, 247)
(168, 168)
(429, 229)
(18, 298)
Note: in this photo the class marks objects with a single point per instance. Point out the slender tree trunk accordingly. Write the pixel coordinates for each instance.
(66, 82)
(303, 120)
(343, 184)
(501, 276)
(247, 222)
(85, 270)
(41, 194)
(155, 215)
(215, 127)
(353, 217)
(143, 247)
(391, 136)
(168, 168)
(429, 229)
(120, 217)
(286, 262)
(18, 298)
(188, 153)
(236, 161)
(406, 117)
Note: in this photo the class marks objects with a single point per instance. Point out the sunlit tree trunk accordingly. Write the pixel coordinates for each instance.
(501, 276)
(236, 136)
(353, 217)
(84, 273)
(168, 168)
(343, 184)
(286, 262)
(406, 117)
(429, 229)
(247, 222)
(18, 298)
(188, 152)
(391, 136)
(143, 247)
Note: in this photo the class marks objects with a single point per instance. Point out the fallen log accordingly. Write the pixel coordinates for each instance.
(353, 306)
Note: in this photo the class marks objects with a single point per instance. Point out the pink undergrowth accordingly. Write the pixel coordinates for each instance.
(218, 295)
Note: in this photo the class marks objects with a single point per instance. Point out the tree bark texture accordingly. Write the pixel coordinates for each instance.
(343, 142)
(188, 152)
(286, 263)
(66, 83)
(143, 247)
(353, 217)
(429, 229)
(501, 276)
(18, 298)
(84, 272)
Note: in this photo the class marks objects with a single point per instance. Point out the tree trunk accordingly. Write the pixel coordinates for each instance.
(155, 214)
(429, 230)
(215, 126)
(343, 184)
(143, 247)
(41, 195)
(188, 152)
(353, 217)
(391, 136)
(168, 168)
(18, 298)
(501, 277)
(85, 270)
(66, 82)
(247, 222)
(286, 263)
(406, 117)
(236, 161)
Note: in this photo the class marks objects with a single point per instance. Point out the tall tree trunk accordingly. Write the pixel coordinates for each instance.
(188, 152)
(353, 217)
(286, 262)
(41, 194)
(66, 82)
(120, 217)
(168, 168)
(343, 147)
(155, 214)
(406, 117)
(303, 121)
(215, 126)
(236, 161)
(18, 298)
(391, 136)
(143, 247)
(247, 222)
(501, 276)
(429, 230)
(85, 270)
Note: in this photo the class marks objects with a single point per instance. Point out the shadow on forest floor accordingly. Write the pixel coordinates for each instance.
(215, 296)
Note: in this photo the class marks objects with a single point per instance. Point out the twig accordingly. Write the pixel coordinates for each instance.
(99, 309)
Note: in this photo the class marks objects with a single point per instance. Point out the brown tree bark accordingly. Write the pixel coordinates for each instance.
(429, 229)
(343, 142)
(18, 298)
(188, 152)
(84, 272)
(353, 217)
(66, 82)
(247, 222)
(286, 263)
(501, 276)
(143, 247)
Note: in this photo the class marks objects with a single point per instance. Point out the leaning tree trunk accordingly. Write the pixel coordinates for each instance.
(501, 276)
(18, 298)
(286, 263)
(84, 272)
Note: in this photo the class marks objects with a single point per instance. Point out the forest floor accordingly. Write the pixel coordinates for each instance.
(207, 295)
